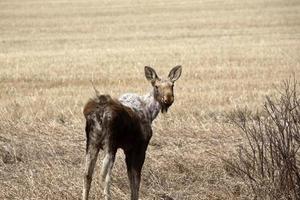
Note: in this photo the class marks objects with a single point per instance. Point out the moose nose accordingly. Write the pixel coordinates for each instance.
(168, 99)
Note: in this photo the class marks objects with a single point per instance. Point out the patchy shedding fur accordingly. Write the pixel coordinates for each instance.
(116, 122)
(146, 106)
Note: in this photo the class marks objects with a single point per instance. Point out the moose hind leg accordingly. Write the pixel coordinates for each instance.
(106, 170)
(91, 158)
(134, 163)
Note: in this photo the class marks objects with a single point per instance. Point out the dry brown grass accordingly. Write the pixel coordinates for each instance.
(232, 52)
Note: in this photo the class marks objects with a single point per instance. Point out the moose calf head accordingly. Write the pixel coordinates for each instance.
(163, 88)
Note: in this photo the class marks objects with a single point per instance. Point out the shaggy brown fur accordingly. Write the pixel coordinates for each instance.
(121, 124)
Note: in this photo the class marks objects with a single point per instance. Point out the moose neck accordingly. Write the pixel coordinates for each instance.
(152, 106)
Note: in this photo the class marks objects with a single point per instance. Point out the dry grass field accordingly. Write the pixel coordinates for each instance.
(233, 53)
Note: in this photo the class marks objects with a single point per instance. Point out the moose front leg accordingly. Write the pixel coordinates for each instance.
(134, 163)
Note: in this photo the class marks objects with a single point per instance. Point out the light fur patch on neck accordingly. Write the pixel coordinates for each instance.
(146, 106)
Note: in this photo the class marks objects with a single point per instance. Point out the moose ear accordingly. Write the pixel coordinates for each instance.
(175, 73)
(150, 74)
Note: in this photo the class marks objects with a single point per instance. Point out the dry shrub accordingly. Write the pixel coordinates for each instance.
(268, 160)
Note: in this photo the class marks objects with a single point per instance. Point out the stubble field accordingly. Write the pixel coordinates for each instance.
(233, 53)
